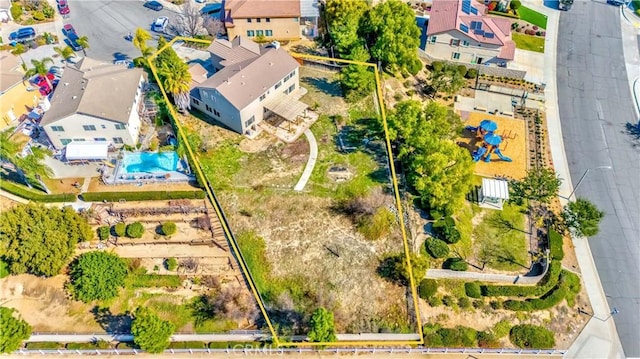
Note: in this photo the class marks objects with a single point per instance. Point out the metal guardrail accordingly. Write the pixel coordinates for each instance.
(240, 350)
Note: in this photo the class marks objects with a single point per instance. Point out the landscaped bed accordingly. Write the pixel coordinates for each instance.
(528, 42)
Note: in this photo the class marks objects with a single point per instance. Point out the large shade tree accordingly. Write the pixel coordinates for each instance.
(13, 330)
(29, 167)
(97, 276)
(150, 332)
(582, 218)
(41, 240)
(343, 19)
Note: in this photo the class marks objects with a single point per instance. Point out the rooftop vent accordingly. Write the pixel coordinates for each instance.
(74, 97)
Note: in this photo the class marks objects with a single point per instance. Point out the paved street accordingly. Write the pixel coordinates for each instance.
(106, 23)
(595, 103)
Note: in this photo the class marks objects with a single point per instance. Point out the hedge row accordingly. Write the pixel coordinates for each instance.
(43, 345)
(569, 284)
(545, 285)
(555, 245)
(36, 196)
(141, 196)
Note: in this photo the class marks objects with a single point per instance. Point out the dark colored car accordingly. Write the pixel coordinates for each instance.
(72, 41)
(68, 29)
(23, 34)
(615, 2)
(63, 7)
(153, 5)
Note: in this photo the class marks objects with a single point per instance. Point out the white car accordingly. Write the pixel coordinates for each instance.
(160, 24)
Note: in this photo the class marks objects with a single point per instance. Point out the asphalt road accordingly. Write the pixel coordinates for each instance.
(106, 23)
(595, 103)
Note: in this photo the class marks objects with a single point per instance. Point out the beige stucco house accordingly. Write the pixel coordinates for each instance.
(462, 31)
(275, 20)
(97, 102)
(250, 82)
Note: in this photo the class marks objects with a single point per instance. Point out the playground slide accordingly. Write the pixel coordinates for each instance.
(501, 156)
(478, 154)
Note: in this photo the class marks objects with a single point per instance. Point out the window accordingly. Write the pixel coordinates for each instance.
(99, 139)
(258, 20)
(295, 19)
(268, 32)
(263, 97)
(268, 19)
(196, 101)
(260, 33)
(278, 84)
(454, 42)
(118, 140)
(215, 112)
(432, 40)
(89, 127)
(456, 55)
(103, 126)
(57, 128)
(79, 140)
(465, 43)
(250, 121)
(208, 108)
(65, 141)
(291, 88)
(120, 126)
(251, 33)
(249, 20)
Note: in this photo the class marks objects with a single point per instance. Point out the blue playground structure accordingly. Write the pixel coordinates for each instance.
(490, 142)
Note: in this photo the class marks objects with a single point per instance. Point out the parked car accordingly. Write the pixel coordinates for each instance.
(39, 80)
(23, 34)
(160, 24)
(72, 41)
(63, 7)
(56, 71)
(153, 5)
(68, 29)
(615, 2)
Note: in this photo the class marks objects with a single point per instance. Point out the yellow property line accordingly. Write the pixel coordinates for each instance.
(231, 239)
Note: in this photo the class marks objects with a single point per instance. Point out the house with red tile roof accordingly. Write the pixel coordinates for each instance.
(462, 31)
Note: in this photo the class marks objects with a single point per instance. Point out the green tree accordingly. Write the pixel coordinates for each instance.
(41, 240)
(540, 185)
(104, 232)
(30, 167)
(357, 80)
(65, 52)
(322, 326)
(392, 34)
(515, 4)
(532, 337)
(135, 230)
(449, 80)
(169, 228)
(40, 68)
(436, 247)
(343, 19)
(175, 77)
(97, 276)
(427, 288)
(582, 218)
(171, 264)
(83, 41)
(150, 332)
(394, 268)
(140, 39)
(14, 330)
(120, 229)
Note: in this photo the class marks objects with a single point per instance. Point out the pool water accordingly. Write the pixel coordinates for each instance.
(150, 162)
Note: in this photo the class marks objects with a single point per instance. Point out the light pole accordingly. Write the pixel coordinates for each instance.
(583, 177)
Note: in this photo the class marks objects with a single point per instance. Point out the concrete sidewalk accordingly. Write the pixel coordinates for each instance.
(483, 277)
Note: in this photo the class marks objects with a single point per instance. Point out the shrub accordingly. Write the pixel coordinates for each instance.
(26, 192)
(48, 10)
(464, 302)
(437, 66)
(427, 288)
(16, 11)
(501, 329)
(546, 284)
(455, 264)
(38, 15)
(555, 245)
(43, 345)
(104, 232)
(471, 73)
(496, 304)
(135, 230)
(435, 301)
(448, 300)
(171, 264)
(141, 196)
(446, 230)
(462, 70)
(169, 228)
(120, 229)
(415, 67)
(376, 226)
(477, 304)
(472, 289)
(531, 337)
(487, 340)
(515, 4)
(436, 248)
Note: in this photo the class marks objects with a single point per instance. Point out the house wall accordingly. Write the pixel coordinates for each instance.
(73, 130)
(443, 49)
(282, 28)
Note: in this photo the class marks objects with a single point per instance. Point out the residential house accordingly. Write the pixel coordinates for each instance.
(250, 82)
(95, 101)
(462, 31)
(268, 19)
(5, 11)
(17, 96)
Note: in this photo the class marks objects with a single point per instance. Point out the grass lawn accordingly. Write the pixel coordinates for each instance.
(528, 42)
(499, 240)
(533, 17)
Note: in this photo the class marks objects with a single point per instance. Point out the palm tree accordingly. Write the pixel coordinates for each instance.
(65, 52)
(40, 68)
(83, 41)
(140, 41)
(29, 167)
(176, 80)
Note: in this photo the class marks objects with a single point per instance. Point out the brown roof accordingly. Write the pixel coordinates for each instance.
(507, 51)
(232, 52)
(97, 89)
(10, 74)
(242, 9)
(243, 82)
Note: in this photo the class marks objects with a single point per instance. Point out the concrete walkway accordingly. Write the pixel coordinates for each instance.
(311, 162)
(482, 277)
(599, 339)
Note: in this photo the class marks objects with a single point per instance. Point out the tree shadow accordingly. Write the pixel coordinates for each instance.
(509, 258)
(502, 224)
(331, 88)
(112, 323)
(633, 130)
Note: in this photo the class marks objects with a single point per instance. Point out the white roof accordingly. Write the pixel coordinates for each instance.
(87, 150)
(495, 188)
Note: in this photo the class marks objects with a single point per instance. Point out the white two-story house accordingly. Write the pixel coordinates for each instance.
(97, 102)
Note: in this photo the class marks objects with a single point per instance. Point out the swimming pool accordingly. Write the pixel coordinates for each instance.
(150, 162)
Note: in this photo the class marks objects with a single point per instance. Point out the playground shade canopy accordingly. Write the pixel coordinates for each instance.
(492, 139)
(488, 125)
(87, 151)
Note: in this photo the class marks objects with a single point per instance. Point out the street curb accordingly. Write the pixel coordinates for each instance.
(636, 95)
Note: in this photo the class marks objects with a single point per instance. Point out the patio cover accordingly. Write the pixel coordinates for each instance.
(285, 106)
(495, 188)
(87, 150)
